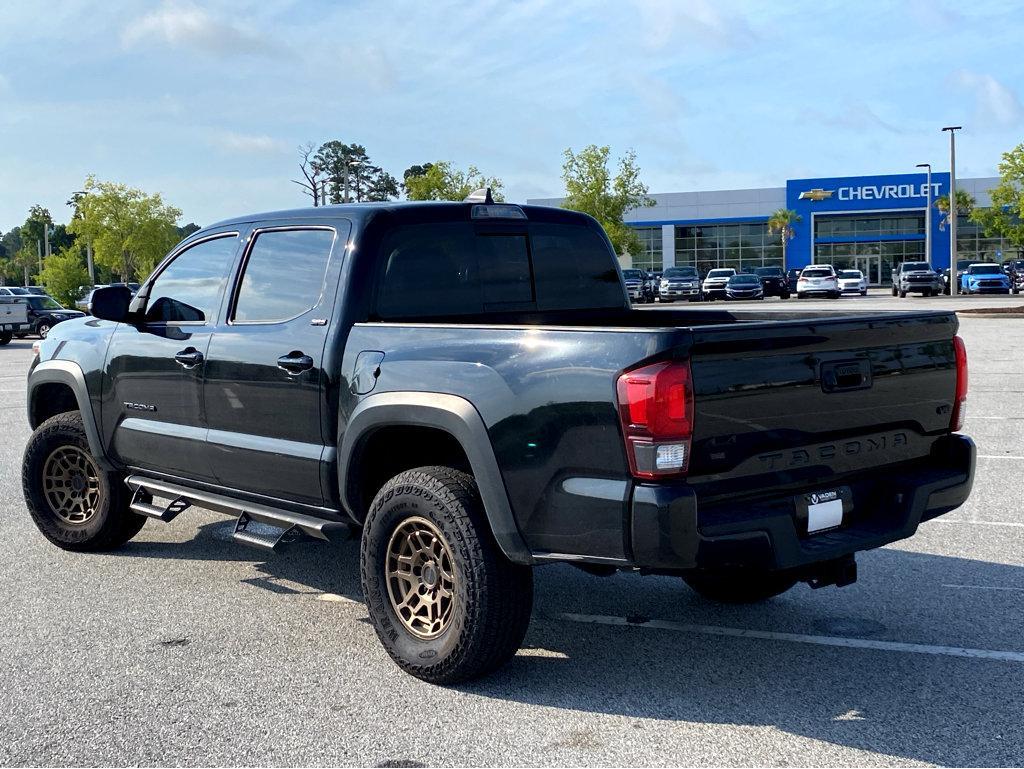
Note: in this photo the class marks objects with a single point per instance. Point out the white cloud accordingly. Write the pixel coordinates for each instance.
(249, 144)
(696, 21)
(854, 116)
(995, 102)
(179, 23)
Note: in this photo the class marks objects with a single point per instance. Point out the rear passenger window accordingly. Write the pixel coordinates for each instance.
(189, 289)
(283, 276)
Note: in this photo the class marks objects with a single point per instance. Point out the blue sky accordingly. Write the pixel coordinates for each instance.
(207, 102)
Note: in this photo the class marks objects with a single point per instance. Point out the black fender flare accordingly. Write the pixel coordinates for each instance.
(455, 416)
(69, 373)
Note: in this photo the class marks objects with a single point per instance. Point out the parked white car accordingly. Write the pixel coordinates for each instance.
(853, 282)
(818, 279)
(714, 283)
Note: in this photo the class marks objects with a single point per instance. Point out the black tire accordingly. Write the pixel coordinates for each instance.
(739, 586)
(784, 296)
(493, 597)
(835, 295)
(864, 292)
(903, 294)
(110, 523)
(6, 337)
(801, 295)
(894, 291)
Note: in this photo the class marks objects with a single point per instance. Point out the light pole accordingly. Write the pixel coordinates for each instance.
(88, 242)
(928, 214)
(952, 206)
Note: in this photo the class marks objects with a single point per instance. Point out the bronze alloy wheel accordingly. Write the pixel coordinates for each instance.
(71, 484)
(420, 577)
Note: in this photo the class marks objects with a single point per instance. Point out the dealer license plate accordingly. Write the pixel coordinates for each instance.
(823, 510)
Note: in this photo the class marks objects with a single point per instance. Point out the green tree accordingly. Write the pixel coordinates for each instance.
(781, 222)
(130, 231)
(443, 181)
(38, 221)
(965, 204)
(63, 273)
(1005, 218)
(591, 188)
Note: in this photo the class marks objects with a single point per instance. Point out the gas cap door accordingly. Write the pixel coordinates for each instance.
(367, 369)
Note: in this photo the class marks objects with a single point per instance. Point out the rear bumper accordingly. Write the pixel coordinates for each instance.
(671, 531)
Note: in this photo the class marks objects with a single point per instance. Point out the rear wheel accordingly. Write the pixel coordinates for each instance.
(894, 291)
(738, 586)
(903, 294)
(74, 502)
(444, 600)
(5, 337)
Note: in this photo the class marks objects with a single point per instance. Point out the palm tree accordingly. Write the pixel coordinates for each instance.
(965, 203)
(782, 222)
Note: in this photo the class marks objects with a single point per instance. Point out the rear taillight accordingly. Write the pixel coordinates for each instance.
(956, 420)
(656, 409)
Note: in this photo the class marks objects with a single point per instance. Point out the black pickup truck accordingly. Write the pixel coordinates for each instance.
(467, 384)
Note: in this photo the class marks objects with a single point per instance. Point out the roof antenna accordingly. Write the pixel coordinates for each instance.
(482, 195)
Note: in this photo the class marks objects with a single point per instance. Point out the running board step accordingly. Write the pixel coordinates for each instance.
(263, 541)
(142, 503)
(292, 524)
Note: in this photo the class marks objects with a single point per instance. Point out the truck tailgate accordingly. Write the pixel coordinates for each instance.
(788, 403)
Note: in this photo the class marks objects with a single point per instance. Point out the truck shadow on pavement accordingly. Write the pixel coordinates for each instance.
(914, 705)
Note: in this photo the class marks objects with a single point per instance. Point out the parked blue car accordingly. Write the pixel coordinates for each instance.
(985, 279)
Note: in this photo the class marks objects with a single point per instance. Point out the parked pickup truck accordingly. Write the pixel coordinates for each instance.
(467, 384)
(13, 317)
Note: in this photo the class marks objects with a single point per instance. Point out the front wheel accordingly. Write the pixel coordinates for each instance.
(74, 502)
(864, 292)
(43, 329)
(903, 294)
(6, 337)
(446, 603)
(737, 586)
(894, 291)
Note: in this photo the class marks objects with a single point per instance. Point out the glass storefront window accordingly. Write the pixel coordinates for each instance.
(650, 255)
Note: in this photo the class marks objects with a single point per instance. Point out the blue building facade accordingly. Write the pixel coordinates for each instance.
(871, 223)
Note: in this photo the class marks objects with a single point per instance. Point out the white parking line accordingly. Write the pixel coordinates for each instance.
(998, 456)
(987, 587)
(819, 640)
(1014, 524)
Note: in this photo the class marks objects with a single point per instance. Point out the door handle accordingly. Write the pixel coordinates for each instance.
(295, 362)
(190, 357)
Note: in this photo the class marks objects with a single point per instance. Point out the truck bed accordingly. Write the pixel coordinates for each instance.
(545, 387)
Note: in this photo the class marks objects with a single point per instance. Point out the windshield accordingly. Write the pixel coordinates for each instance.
(963, 264)
(721, 273)
(985, 269)
(632, 274)
(744, 279)
(680, 272)
(916, 266)
(768, 271)
(809, 273)
(18, 290)
(855, 274)
(43, 303)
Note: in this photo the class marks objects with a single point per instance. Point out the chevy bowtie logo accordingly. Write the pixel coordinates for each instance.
(816, 194)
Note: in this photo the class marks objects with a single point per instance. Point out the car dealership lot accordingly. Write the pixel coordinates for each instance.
(187, 648)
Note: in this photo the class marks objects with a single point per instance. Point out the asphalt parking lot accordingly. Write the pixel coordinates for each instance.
(187, 648)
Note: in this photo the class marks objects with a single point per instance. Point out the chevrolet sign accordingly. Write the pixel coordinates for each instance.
(816, 194)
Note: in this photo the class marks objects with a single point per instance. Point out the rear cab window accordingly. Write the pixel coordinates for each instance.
(464, 268)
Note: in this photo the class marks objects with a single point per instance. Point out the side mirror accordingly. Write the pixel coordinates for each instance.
(110, 303)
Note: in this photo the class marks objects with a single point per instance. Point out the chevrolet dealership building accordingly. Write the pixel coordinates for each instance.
(871, 223)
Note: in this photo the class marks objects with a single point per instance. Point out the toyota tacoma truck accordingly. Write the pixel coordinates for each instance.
(467, 385)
